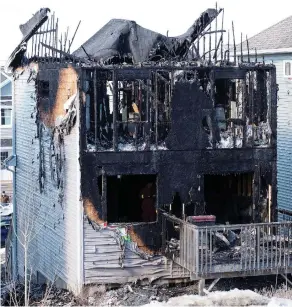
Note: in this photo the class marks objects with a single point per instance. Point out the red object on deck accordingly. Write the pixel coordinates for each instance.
(202, 220)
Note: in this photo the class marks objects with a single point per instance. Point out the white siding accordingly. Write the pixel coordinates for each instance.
(103, 264)
(284, 129)
(55, 251)
(6, 133)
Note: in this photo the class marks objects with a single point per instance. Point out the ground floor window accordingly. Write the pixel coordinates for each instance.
(131, 198)
(229, 197)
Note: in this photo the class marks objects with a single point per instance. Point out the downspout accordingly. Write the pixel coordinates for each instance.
(14, 237)
(11, 161)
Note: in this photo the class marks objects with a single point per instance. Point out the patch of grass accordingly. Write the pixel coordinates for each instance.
(281, 291)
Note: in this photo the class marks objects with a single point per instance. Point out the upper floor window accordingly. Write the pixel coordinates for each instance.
(6, 119)
(287, 68)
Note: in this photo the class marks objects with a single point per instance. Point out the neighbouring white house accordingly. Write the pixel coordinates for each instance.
(6, 128)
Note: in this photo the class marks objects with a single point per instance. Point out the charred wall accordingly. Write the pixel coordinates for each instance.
(191, 147)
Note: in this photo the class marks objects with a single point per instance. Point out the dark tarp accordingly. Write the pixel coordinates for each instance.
(126, 39)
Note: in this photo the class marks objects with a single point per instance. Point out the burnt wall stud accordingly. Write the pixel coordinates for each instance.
(115, 110)
(95, 100)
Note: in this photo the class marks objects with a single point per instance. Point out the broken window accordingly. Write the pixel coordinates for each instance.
(242, 110)
(229, 197)
(229, 95)
(127, 112)
(131, 198)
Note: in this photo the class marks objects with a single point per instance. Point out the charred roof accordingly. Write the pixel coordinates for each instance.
(121, 42)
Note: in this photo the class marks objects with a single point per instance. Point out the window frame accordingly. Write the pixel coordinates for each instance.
(11, 116)
(1, 161)
(284, 68)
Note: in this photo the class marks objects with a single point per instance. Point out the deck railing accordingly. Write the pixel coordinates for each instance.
(238, 250)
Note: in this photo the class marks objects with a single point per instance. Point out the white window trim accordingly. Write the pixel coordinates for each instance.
(5, 82)
(10, 108)
(284, 64)
(5, 148)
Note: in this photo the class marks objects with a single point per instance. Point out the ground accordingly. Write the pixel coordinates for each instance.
(253, 291)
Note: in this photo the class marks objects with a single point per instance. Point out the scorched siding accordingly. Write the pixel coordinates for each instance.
(106, 262)
(55, 250)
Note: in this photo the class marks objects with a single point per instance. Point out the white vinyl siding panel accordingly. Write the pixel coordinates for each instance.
(55, 251)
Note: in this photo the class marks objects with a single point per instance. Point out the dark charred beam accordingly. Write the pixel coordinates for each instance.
(204, 47)
(46, 31)
(46, 34)
(61, 44)
(248, 58)
(156, 109)
(56, 38)
(256, 192)
(95, 106)
(217, 48)
(272, 100)
(210, 44)
(234, 45)
(69, 56)
(162, 78)
(244, 102)
(222, 36)
(148, 103)
(252, 80)
(216, 35)
(51, 34)
(115, 110)
(104, 196)
(241, 53)
(72, 40)
(228, 44)
(197, 53)
(212, 32)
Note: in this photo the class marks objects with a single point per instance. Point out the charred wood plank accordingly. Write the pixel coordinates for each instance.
(69, 56)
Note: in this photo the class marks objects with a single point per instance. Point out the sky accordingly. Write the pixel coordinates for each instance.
(176, 16)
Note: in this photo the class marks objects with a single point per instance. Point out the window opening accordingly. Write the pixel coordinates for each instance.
(131, 198)
(229, 197)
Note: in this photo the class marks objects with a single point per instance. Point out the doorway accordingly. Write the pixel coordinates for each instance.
(229, 197)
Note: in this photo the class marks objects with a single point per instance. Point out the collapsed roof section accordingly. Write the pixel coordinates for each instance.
(125, 39)
(117, 42)
(125, 42)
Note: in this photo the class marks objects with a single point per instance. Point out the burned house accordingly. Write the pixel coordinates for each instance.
(119, 142)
